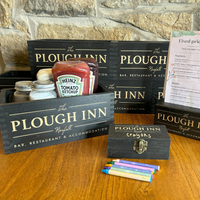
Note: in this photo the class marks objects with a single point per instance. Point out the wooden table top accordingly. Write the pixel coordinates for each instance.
(73, 171)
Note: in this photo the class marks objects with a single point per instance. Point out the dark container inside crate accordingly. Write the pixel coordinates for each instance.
(179, 120)
(135, 70)
(35, 124)
(138, 141)
(8, 79)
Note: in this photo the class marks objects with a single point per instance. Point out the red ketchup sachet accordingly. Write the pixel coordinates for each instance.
(71, 78)
(94, 71)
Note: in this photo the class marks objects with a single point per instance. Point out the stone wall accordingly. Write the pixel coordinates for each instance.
(141, 20)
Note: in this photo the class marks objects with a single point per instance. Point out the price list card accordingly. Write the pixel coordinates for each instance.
(182, 81)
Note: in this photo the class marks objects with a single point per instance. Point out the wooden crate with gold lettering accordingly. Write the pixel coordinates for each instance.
(179, 120)
(133, 70)
(42, 123)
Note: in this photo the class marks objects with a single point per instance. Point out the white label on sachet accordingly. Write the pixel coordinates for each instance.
(69, 85)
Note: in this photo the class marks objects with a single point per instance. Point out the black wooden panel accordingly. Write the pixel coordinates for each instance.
(8, 79)
(120, 62)
(179, 120)
(41, 123)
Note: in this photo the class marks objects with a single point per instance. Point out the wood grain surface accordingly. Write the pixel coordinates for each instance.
(72, 171)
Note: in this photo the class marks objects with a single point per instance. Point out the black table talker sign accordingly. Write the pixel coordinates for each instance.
(133, 70)
(138, 141)
(42, 123)
(179, 120)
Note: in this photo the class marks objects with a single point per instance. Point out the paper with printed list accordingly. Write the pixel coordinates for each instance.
(182, 79)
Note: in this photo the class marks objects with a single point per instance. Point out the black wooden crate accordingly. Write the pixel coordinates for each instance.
(179, 120)
(126, 66)
(123, 137)
(41, 123)
(140, 97)
(8, 79)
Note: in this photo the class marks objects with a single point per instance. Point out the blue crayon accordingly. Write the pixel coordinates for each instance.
(133, 169)
(138, 164)
(127, 175)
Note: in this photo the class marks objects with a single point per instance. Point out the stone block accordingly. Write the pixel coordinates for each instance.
(127, 3)
(21, 24)
(5, 13)
(13, 46)
(162, 24)
(184, 1)
(85, 29)
(61, 7)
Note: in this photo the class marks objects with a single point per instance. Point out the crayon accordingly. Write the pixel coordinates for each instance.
(129, 168)
(133, 166)
(137, 163)
(127, 175)
(129, 171)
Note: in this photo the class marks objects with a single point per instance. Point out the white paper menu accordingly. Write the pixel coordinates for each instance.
(182, 79)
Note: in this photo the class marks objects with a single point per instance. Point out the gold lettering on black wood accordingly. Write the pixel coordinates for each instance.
(130, 60)
(176, 120)
(63, 57)
(59, 119)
